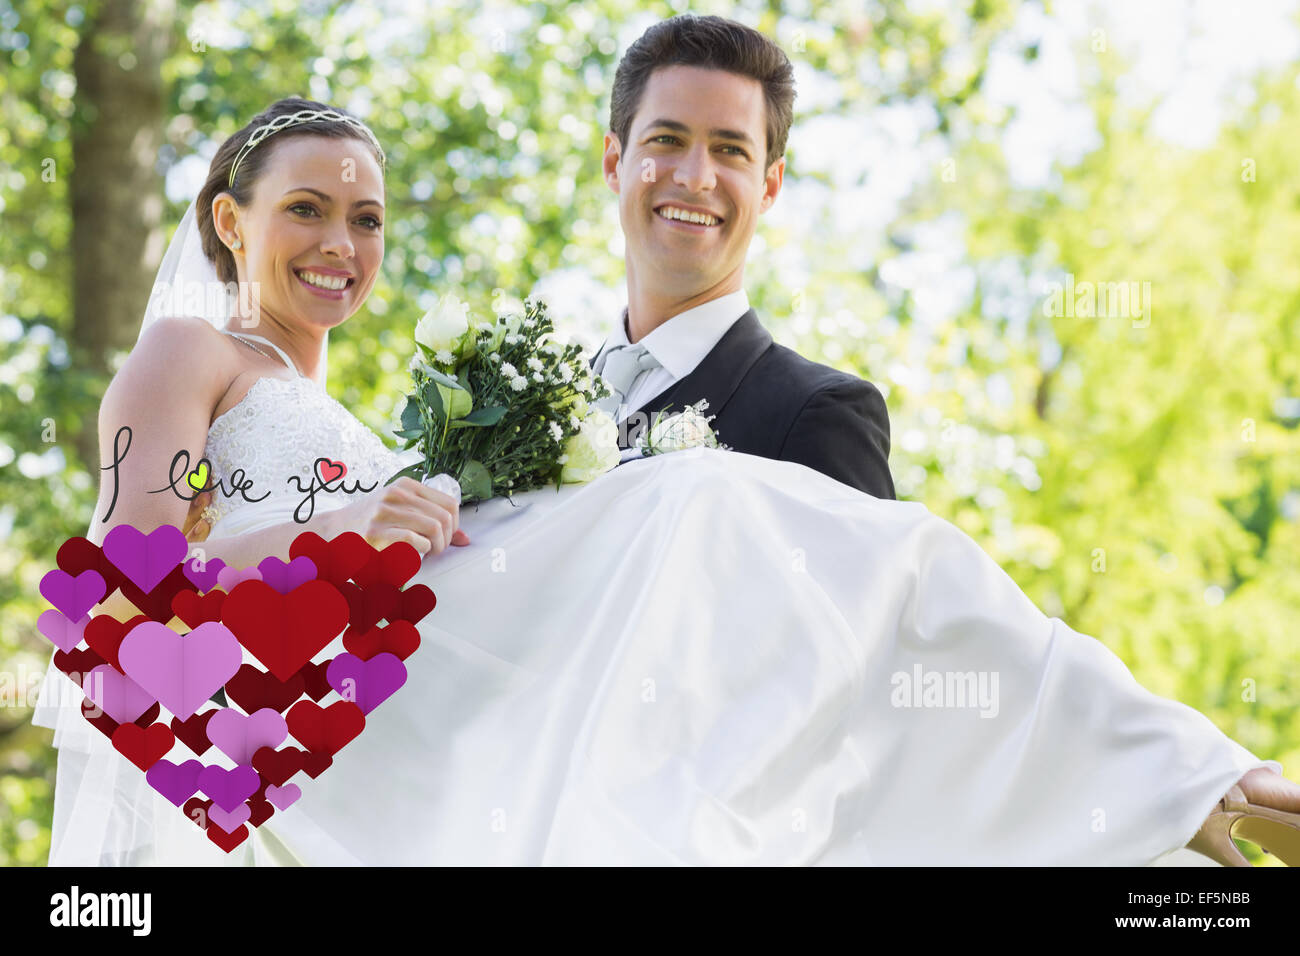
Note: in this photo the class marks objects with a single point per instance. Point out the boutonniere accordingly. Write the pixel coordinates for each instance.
(686, 429)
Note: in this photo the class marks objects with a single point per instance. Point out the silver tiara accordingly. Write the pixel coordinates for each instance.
(296, 119)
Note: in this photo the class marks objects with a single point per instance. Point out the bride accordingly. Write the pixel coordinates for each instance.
(703, 657)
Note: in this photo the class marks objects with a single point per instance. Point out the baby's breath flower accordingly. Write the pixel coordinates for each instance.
(566, 373)
(508, 370)
(519, 384)
(535, 363)
(539, 377)
(444, 356)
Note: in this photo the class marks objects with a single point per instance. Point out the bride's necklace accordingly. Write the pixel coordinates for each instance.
(252, 345)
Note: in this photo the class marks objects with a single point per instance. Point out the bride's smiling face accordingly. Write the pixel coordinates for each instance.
(313, 234)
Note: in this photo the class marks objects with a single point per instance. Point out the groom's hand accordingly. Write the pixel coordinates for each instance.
(406, 510)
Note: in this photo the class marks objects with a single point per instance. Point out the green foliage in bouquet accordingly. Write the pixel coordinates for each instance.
(499, 406)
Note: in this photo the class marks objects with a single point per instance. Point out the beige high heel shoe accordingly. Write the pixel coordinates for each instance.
(1274, 831)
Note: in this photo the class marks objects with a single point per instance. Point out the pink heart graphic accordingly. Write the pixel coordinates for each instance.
(120, 697)
(73, 596)
(64, 633)
(229, 788)
(145, 558)
(285, 577)
(330, 470)
(206, 579)
(230, 822)
(227, 578)
(176, 782)
(181, 672)
(284, 797)
(239, 736)
(366, 683)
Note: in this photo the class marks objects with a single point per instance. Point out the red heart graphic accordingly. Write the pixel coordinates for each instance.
(106, 725)
(313, 765)
(105, 634)
(227, 841)
(369, 606)
(80, 554)
(143, 746)
(315, 680)
(261, 809)
(283, 631)
(330, 470)
(158, 602)
(193, 733)
(336, 560)
(103, 723)
(395, 565)
(194, 609)
(325, 730)
(79, 661)
(197, 803)
(252, 689)
(414, 603)
(399, 638)
(277, 766)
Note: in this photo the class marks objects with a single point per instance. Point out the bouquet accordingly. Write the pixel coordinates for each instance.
(500, 407)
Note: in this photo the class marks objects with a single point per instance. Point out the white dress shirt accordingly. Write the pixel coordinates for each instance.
(679, 345)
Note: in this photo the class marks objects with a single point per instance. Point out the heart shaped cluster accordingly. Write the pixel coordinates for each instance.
(284, 614)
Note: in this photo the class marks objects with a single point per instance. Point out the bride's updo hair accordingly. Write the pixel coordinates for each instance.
(253, 162)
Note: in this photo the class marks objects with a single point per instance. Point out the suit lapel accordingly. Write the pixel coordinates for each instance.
(717, 376)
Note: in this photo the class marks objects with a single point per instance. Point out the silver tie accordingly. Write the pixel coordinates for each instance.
(621, 368)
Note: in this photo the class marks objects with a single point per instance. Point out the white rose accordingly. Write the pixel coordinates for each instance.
(592, 450)
(687, 429)
(444, 326)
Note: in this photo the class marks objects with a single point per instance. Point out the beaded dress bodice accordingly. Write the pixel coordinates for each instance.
(276, 434)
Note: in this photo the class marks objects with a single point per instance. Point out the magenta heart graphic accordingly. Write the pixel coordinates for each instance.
(239, 736)
(206, 579)
(176, 782)
(145, 558)
(230, 822)
(65, 634)
(284, 797)
(366, 683)
(229, 788)
(181, 672)
(120, 697)
(227, 578)
(285, 577)
(73, 596)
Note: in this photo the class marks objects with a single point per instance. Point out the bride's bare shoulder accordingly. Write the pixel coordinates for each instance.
(174, 357)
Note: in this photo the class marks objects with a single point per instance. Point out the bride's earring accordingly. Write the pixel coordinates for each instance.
(237, 244)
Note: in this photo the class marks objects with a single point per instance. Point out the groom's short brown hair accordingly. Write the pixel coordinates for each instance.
(716, 43)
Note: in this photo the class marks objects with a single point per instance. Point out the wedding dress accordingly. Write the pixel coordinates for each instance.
(702, 657)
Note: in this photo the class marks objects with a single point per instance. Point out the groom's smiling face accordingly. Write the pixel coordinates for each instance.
(696, 149)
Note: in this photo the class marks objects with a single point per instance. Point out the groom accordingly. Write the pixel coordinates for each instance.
(698, 121)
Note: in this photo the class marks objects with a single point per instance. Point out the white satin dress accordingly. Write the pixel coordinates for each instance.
(703, 657)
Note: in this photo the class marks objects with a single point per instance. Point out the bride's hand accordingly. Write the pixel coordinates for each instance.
(406, 511)
(196, 527)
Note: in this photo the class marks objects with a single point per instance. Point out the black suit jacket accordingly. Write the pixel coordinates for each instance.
(771, 401)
